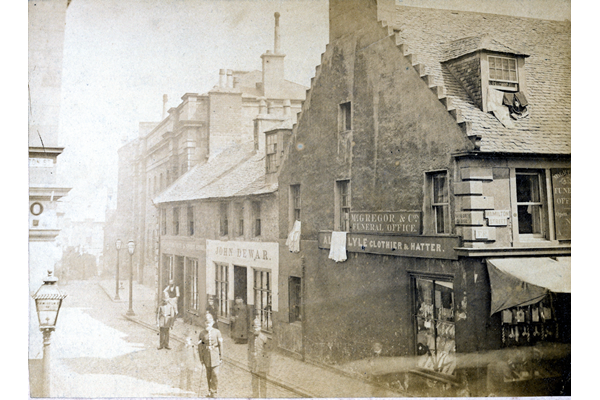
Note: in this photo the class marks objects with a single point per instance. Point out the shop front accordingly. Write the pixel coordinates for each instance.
(242, 273)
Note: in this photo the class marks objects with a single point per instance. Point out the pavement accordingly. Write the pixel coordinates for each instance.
(290, 376)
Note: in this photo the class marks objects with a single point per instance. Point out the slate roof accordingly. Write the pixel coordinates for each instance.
(434, 35)
(236, 171)
(249, 79)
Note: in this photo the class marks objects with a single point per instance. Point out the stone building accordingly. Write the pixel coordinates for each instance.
(170, 160)
(431, 160)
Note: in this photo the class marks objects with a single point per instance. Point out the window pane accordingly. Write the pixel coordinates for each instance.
(440, 189)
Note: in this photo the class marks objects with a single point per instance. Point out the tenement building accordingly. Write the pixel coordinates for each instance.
(200, 127)
(424, 202)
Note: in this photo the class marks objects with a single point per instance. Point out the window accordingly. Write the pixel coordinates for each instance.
(530, 206)
(193, 267)
(272, 160)
(346, 116)
(343, 205)
(256, 218)
(434, 325)
(295, 201)
(224, 220)
(176, 221)
(503, 71)
(295, 298)
(190, 218)
(239, 210)
(163, 221)
(440, 202)
(222, 289)
(262, 299)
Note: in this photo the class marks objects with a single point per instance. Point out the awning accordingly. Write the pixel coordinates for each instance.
(524, 281)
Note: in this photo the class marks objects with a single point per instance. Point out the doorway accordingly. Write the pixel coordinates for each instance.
(240, 283)
(178, 275)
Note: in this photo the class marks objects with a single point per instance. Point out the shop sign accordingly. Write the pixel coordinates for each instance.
(394, 222)
(404, 246)
(242, 252)
(497, 217)
(561, 190)
(468, 218)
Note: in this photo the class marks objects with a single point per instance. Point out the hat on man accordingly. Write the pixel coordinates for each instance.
(209, 317)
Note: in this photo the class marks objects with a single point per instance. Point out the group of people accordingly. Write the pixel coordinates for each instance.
(207, 352)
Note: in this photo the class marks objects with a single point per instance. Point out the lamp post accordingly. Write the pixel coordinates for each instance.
(48, 300)
(131, 249)
(118, 246)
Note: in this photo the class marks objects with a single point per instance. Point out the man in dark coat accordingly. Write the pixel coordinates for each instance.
(210, 350)
(173, 292)
(259, 357)
(239, 321)
(165, 316)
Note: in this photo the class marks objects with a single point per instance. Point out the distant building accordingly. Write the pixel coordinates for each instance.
(432, 161)
(46, 39)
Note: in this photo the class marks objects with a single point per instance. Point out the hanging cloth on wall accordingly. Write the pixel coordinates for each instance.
(495, 104)
(337, 252)
(293, 239)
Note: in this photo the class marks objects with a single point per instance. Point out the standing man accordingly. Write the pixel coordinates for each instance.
(210, 350)
(259, 357)
(165, 315)
(173, 292)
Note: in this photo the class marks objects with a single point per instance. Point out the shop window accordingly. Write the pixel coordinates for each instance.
(256, 218)
(343, 205)
(263, 308)
(295, 298)
(176, 221)
(272, 160)
(295, 202)
(190, 218)
(530, 205)
(224, 219)
(193, 274)
(503, 72)
(345, 118)
(526, 326)
(222, 289)
(434, 325)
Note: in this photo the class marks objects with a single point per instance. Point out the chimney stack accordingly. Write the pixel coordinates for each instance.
(271, 108)
(262, 106)
(165, 99)
(277, 48)
(222, 78)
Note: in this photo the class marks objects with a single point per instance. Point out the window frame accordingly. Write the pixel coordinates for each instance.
(256, 219)
(163, 221)
(263, 310)
(239, 210)
(345, 117)
(223, 218)
(176, 222)
(191, 220)
(193, 267)
(343, 190)
(272, 160)
(504, 83)
(295, 203)
(295, 302)
(546, 209)
(222, 289)
(432, 207)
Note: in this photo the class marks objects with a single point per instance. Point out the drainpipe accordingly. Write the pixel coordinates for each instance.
(303, 307)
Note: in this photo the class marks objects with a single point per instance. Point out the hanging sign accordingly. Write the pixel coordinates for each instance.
(405, 246)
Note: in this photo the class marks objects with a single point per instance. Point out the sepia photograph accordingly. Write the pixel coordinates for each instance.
(298, 198)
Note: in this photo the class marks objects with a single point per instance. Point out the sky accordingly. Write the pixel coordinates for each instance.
(121, 56)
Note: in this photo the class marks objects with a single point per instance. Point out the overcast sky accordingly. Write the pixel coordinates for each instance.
(121, 56)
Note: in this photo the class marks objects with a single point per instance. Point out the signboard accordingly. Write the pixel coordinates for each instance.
(497, 217)
(396, 222)
(561, 191)
(404, 246)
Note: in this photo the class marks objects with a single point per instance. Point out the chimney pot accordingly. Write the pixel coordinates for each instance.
(277, 48)
(287, 108)
(262, 106)
(222, 78)
(229, 78)
(271, 106)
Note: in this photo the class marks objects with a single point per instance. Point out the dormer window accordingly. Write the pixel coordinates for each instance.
(503, 72)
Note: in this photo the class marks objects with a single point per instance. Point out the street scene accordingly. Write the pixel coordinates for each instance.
(316, 198)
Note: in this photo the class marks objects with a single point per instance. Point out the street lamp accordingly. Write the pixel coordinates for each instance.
(118, 246)
(48, 300)
(131, 249)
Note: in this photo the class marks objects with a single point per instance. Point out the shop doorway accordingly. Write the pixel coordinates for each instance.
(240, 283)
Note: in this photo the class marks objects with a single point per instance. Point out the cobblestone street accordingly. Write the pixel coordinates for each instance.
(99, 353)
